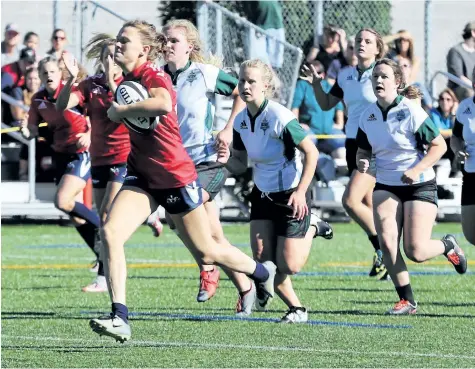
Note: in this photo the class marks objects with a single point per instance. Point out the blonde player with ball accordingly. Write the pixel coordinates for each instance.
(160, 172)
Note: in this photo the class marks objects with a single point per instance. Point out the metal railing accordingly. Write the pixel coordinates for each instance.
(31, 148)
(450, 77)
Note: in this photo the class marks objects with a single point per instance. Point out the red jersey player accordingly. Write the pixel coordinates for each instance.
(71, 140)
(160, 172)
(110, 142)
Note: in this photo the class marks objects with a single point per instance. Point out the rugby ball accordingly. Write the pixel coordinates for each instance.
(130, 92)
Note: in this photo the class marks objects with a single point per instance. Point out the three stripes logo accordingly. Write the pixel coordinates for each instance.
(371, 118)
(467, 111)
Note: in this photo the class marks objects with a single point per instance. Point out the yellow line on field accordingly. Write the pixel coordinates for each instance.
(85, 266)
(365, 263)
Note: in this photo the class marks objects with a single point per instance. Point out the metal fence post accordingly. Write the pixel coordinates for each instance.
(83, 36)
(219, 33)
(317, 20)
(55, 14)
(32, 170)
(427, 40)
(202, 22)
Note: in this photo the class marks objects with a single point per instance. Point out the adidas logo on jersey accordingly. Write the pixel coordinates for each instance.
(467, 111)
(243, 125)
(42, 105)
(371, 118)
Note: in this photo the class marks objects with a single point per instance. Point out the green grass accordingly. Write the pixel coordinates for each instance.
(45, 315)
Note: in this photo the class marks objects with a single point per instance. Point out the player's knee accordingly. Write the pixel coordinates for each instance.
(349, 203)
(415, 254)
(389, 240)
(108, 234)
(289, 267)
(64, 203)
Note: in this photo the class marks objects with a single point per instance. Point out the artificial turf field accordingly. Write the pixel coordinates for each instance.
(45, 315)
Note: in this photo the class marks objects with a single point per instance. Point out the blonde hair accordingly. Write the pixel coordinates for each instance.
(268, 76)
(46, 60)
(412, 93)
(150, 37)
(96, 46)
(193, 37)
(379, 41)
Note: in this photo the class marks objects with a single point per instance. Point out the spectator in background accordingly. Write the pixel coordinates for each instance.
(11, 44)
(461, 61)
(444, 118)
(406, 67)
(13, 74)
(337, 64)
(399, 45)
(333, 47)
(32, 40)
(58, 43)
(268, 16)
(314, 119)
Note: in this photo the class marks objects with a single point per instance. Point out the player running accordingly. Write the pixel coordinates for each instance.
(110, 143)
(353, 86)
(160, 172)
(395, 130)
(282, 228)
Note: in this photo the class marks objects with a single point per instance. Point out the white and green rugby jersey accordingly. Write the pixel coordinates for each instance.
(355, 88)
(465, 128)
(270, 139)
(196, 85)
(396, 136)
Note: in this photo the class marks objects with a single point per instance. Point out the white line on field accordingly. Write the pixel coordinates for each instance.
(250, 347)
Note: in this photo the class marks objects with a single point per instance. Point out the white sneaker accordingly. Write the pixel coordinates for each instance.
(295, 315)
(155, 224)
(245, 303)
(98, 285)
(94, 266)
(112, 326)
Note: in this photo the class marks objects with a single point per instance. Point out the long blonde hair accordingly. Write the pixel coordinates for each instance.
(150, 37)
(96, 46)
(193, 37)
(268, 75)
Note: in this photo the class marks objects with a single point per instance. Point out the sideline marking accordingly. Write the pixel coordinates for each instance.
(213, 346)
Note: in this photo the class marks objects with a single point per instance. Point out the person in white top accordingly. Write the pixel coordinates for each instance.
(462, 143)
(406, 144)
(282, 227)
(353, 86)
(196, 81)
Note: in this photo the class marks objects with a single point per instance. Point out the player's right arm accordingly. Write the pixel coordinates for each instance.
(325, 100)
(29, 123)
(237, 162)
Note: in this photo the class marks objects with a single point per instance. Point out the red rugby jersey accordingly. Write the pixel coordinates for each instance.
(160, 156)
(14, 70)
(110, 142)
(64, 125)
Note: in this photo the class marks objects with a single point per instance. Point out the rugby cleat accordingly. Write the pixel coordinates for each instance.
(295, 315)
(324, 229)
(98, 285)
(112, 326)
(209, 282)
(246, 302)
(155, 224)
(403, 307)
(455, 256)
(378, 269)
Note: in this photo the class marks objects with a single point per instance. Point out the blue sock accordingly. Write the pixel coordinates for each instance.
(261, 274)
(121, 311)
(88, 234)
(82, 211)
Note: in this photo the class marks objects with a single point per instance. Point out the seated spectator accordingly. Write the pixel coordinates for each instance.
(444, 118)
(461, 61)
(11, 46)
(13, 74)
(317, 121)
(406, 67)
(337, 64)
(58, 43)
(333, 47)
(399, 45)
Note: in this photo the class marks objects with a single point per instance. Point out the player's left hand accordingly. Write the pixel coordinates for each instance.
(114, 112)
(410, 176)
(225, 137)
(223, 154)
(299, 202)
(84, 140)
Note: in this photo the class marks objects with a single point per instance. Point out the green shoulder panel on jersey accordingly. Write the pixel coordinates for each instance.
(362, 140)
(427, 132)
(237, 141)
(293, 133)
(225, 83)
(457, 131)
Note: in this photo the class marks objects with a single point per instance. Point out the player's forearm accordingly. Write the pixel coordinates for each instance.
(321, 96)
(151, 107)
(238, 106)
(434, 153)
(309, 167)
(64, 96)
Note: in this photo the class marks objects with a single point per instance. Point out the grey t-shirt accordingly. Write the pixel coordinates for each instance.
(460, 62)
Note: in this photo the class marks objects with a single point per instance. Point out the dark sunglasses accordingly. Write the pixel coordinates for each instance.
(59, 38)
